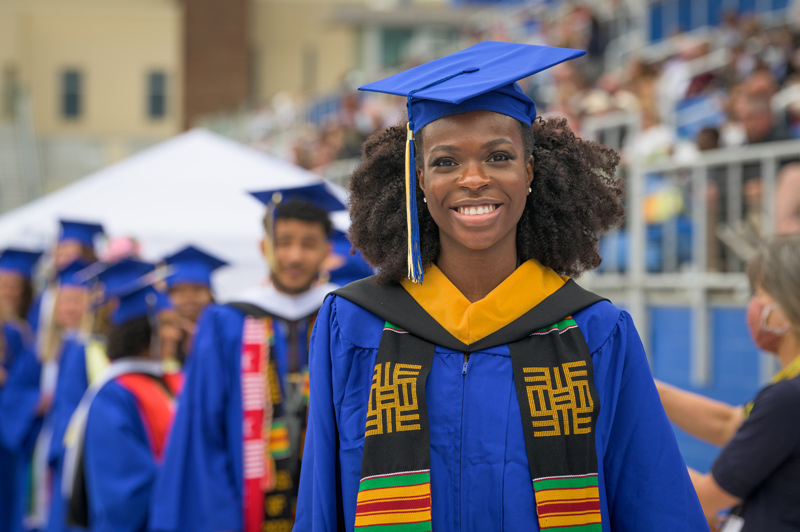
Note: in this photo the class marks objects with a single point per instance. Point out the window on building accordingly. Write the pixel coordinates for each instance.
(395, 46)
(156, 94)
(10, 91)
(71, 94)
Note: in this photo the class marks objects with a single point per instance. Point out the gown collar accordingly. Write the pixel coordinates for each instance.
(526, 287)
(288, 307)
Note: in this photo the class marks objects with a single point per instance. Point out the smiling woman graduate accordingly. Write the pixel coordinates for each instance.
(487, 391)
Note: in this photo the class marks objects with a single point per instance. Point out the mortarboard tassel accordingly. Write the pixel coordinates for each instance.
(269, 233)
(412, 222)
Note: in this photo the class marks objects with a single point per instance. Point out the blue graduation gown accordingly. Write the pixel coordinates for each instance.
(70, 387)
(21, 426)
(118, 463)
(34, 313)
(199, 487)
(480, 478)
(12, 466)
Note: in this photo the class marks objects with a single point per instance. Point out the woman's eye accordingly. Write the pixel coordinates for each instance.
(499, 157)
(443, 162)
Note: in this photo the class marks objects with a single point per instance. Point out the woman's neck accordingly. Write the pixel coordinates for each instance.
(477, 272)
(789, 348)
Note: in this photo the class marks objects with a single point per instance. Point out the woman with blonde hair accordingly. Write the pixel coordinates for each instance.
(26, 405)
(758, 471)
(16, 270)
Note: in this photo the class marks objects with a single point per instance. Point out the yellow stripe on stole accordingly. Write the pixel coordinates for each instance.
(592, 493)
(589, 518)
(392, 493)
(392, 518)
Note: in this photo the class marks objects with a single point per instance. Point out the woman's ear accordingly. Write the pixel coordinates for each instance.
(529, 171)
(420, 180)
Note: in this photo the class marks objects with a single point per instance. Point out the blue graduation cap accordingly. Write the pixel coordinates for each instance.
(138, 299)
(83, 232)
(122, 273)
(192, 266)
(317, 194)
(73, 274)
(354, 266)
(19, 261)
(482, 77)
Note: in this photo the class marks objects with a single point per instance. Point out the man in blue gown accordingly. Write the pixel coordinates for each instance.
(233, 456)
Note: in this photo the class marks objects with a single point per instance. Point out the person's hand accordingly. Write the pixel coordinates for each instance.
(44, 406)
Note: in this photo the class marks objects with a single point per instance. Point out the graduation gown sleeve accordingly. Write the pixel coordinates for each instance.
(118, 463)
(20, 425)
(647, 485)
(200, 485)
(72, 384)
(12, 469)
(320, 501)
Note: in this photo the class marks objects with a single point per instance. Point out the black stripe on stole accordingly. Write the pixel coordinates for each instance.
(397, 437)
(559, 405)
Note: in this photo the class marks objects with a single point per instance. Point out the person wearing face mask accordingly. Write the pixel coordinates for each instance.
(758, 469)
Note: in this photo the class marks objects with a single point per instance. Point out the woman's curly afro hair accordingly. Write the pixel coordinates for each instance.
(576, 197)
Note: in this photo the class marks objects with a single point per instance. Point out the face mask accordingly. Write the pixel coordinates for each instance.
(765, 337)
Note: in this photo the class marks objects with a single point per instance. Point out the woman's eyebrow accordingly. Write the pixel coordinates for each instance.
(495, 142)
(444, 147)
(491, 143)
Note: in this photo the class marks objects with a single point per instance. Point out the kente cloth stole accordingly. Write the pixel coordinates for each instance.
(270, 486)
(258, 474)
(559, 406)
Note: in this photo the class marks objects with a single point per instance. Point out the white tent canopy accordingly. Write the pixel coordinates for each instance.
(192, 189)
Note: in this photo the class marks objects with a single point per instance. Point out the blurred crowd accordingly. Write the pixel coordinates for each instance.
(731, 86)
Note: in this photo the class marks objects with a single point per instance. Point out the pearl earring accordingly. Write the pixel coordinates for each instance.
(424, 200)
(529, 190)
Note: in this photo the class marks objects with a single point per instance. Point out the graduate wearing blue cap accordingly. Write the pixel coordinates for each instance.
(16, 288)
(14, 346)
(247, 479)
(471, 384)
(118, 433)
(189, 284)
(344, 267)
(31, 424)
(76, 241)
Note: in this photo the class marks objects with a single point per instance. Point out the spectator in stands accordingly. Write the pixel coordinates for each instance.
(787, 200)
(758, 122)
(758, 470)
(654, 141)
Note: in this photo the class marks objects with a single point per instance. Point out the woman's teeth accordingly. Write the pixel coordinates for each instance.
(478, 209)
